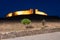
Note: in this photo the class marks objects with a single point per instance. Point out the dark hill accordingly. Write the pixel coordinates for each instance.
(32, 17)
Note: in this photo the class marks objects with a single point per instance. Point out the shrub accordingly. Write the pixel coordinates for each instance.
(43, 22)
(25, 21)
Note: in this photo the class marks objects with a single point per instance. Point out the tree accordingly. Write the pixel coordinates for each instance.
(26, 22)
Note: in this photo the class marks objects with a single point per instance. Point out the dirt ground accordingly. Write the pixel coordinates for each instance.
(15, 26)
(16, 29)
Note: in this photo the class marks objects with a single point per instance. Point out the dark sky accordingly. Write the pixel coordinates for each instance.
(51, 7)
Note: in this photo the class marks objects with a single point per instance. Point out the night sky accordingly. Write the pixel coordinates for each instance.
(51, 7)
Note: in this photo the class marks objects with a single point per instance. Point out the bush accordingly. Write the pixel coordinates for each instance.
(25, 21)
(43, 22)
